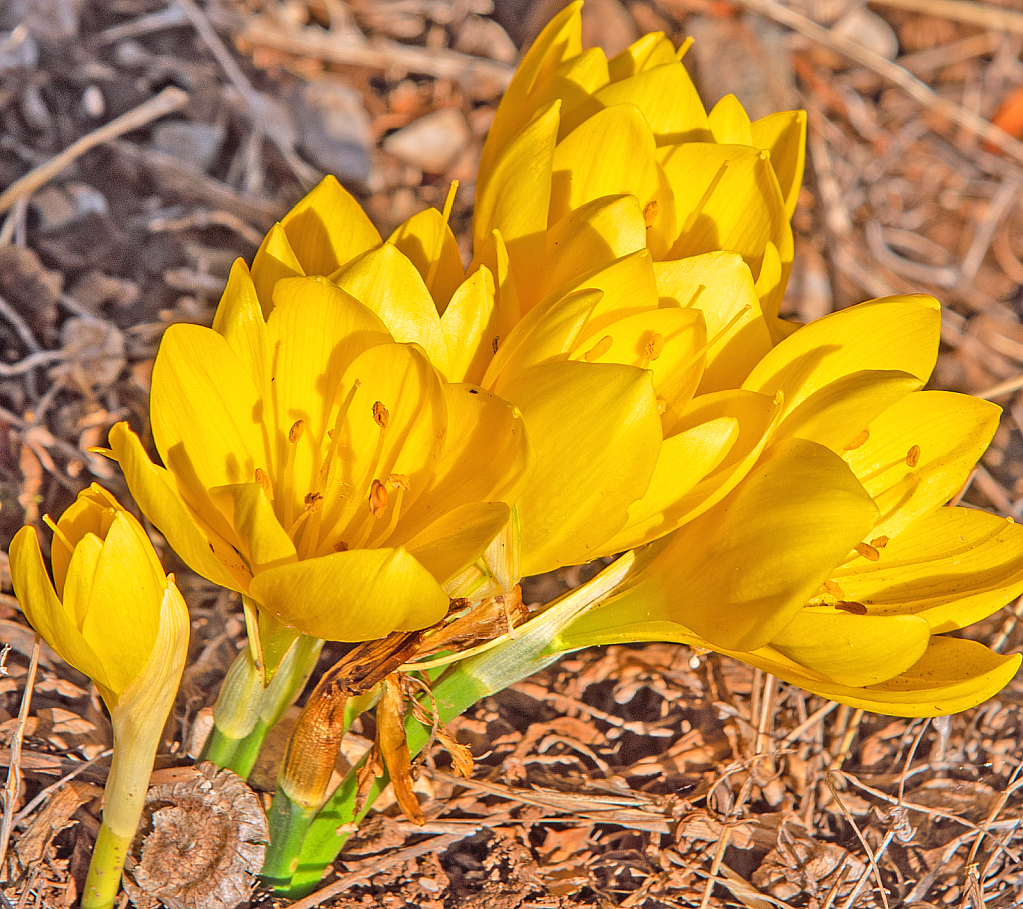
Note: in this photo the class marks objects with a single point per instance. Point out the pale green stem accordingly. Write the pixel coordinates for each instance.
(104, 879)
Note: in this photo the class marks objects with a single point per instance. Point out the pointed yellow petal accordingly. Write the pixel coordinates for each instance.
(651, 50)
(240, 321)
(507, 304)
(485, 457)
(953, 567)
(352, 596)
(275, 260)
(591, 238)
(122, 617)
(739, 573)
(850, 649)
(667, 99)
(730, 123)
(516, 199)
(950, 432)
(328, 228)
(547, 333)
(897, 333)
(427, 241)
(389, 285)
(206, 413)
(574, 85)
(720, 285)
(454, 541)
(263, 541)
(784, 136)
(605, 416)
(44, 611)
(469, 324)
(77, 587)
(560, 40)
(610, 154)
(200, 547)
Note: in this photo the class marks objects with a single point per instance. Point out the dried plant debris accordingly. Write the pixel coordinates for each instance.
(203, 836)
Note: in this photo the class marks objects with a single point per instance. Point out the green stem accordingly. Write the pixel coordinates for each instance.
(104, 878)
(246, 711)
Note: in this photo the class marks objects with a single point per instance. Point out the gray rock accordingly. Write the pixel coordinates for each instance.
(59, 206)
(334, 129)
(197, 144)
(431, 143)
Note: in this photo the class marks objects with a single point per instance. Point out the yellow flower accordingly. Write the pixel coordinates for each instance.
(835, 564)
(113, 614)
(311, 462)
(575, 131)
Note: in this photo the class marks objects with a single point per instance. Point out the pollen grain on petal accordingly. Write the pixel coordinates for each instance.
(868, 552)
(913, 456)
(859, 441)
(381, 415)
(377, 498)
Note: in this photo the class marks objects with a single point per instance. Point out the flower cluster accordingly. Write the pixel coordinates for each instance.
(373, 443)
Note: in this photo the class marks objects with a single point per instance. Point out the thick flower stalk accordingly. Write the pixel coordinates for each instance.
(575, 131)
(113, 614)
(836, 564)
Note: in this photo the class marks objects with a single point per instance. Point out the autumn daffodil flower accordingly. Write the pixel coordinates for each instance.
(112, 613)
(836, 564)
(575, 128)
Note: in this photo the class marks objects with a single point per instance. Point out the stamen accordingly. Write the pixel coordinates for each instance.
(879, 542)
(381, 415)
(400, 482)
(287, 519)
(263, 479)
(833, 588)
(851, 606)
(377, 498)
(599, 349)
(295, 433)
(313, 501)
(650, 213)
(340, 546)
(868, 552)
(496, 343)
(705, 198)
(858, 442)
(683, 47)
(654, 345)
(913, 456)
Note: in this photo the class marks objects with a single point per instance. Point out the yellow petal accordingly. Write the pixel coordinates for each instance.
(574, 85)
(469, 324)
(720, 285)
(398, 379)
(274, 261)
(92, 512)
(739, 573)
(668, 100)
(124, 600)
(589, 239)
(206, 411)
(839, 412)
(683, 462)
(895, 334)
(784, 136)
(328, 228)
(560, 40)
(263, 541)
(507, 306)
(200, 547)
(427, 241)
(950, 432)
(457, 539)
(952, 567)
(729, 122)
(853, 650)
(610, 154)
(485, 456)
(547, 333)
(605, 418)
(389, 285)
(516, 199)
(352, 596)
(651, 50)
(46, 614)
(240, 321)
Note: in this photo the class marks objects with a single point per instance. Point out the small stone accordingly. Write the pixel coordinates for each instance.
(18, 49)
(197, 144)
(93, 103)
(335, 129)
(868, 30)
(94, 354)
(58, 207)
(485, 38)
(432, 142)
